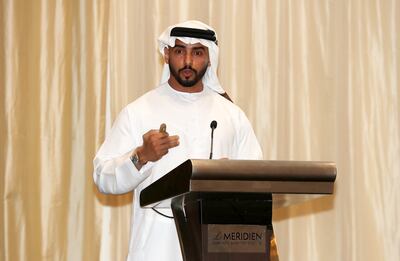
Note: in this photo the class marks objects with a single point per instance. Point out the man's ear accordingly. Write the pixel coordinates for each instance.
(166, 55)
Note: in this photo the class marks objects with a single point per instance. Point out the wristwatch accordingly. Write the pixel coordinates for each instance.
(135, 159)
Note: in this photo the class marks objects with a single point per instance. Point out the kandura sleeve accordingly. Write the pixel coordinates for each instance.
(246, 143)
(114, 173)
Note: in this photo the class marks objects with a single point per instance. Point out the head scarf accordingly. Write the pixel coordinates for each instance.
(210, 78)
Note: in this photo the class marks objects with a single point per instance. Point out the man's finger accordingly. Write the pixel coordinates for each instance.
(174, 141)
(169, 143)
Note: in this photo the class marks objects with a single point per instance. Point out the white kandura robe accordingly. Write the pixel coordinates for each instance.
(154, 237)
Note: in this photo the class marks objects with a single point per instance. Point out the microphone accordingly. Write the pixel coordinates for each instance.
(213, 126)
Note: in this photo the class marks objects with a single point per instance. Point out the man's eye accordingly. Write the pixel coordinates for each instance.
(198, 53)
(178, 51)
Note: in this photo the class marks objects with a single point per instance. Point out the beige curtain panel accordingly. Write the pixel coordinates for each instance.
(318, 79)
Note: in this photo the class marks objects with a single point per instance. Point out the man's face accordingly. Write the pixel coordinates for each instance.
(187, 63)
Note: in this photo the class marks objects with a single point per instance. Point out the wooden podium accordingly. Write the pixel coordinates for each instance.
(223, 208)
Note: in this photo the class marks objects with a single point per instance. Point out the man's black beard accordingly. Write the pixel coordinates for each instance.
(188, 83)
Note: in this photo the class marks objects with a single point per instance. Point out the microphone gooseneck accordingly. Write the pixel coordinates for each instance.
(213, 126)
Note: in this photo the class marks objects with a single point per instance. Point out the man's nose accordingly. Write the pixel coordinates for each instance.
(188, 59)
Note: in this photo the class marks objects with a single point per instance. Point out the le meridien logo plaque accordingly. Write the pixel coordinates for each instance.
(237, 239)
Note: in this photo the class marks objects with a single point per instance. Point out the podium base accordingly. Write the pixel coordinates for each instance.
(225, 227)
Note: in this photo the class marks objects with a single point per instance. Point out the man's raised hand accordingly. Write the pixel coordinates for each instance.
(156, 144)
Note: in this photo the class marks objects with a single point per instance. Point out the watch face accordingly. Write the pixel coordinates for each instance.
(135, 159)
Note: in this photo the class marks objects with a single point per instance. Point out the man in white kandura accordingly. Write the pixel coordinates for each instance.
(136, 152)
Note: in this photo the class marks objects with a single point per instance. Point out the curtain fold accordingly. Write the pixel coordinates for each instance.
(53, 64)
(319, 80)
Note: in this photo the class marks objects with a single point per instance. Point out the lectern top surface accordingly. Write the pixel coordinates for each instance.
(262, 170)
(242, 176)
